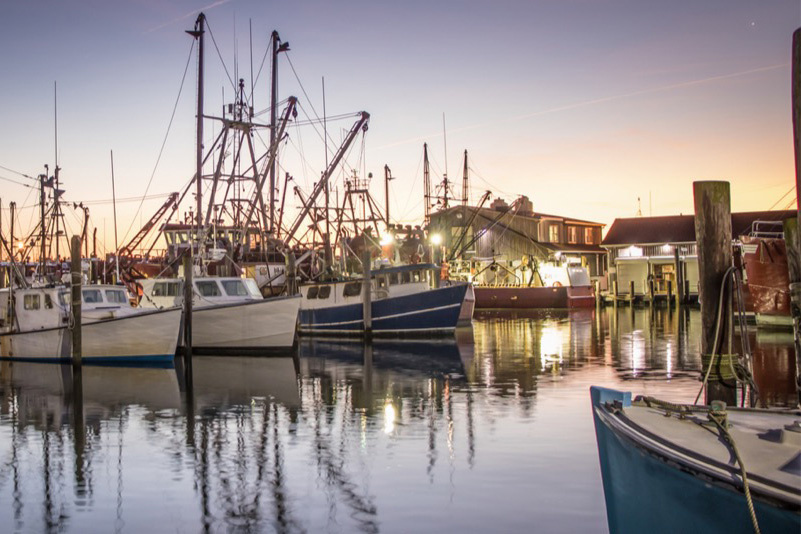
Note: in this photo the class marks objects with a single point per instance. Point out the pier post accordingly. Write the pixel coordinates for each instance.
(793, 243)
(367, 305)
(650, 291)
(75, 300)
(615, 292)
(189, 294)
(679, 278)
(669, 294)
(713, 236)
(596, 286)
(289, 274)
(631, 293)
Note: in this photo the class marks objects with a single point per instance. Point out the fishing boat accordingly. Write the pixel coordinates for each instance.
(402, 302)
(35, 325)
(679, 468)
(556, 286)
(228, 313)
(767, 275)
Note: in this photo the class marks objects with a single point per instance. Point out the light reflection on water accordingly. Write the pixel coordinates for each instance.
(490, 431)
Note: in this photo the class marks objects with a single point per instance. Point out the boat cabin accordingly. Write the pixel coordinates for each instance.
(48, 307)
(169, 292)
(384, 282)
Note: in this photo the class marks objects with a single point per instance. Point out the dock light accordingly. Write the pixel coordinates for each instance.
(436, 239)
(667, 249)
(386, 239)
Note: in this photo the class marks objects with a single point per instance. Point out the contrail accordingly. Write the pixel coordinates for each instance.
(594, 101)
(190, 14)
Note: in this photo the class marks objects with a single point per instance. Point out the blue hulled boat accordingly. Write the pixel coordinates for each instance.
(673, 468)
(402, 303)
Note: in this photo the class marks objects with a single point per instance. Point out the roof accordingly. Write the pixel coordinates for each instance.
(679, 228)
(491, 213)
(574, 248)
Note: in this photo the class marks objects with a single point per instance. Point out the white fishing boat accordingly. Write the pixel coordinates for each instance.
(36, 326)
(228, 313)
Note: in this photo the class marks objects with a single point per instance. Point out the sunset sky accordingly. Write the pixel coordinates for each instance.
(582, 105)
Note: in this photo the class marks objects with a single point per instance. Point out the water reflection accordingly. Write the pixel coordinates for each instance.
(453, 434)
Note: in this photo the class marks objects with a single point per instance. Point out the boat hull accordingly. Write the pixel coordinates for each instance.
(468, 306)
(435, 311)
(534, 297)
(646, 492)
(250, 326)
(148, 337)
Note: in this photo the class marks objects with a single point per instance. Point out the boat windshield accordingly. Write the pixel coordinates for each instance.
(235, 288)
(92, 296)
(208, 288)
(116, 296)
(252, 287)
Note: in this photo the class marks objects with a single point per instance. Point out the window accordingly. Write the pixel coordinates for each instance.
(572, 234)
(588, 236)
(393, 279)
(324, 293)
(235, 288)
(381, 282)
(312, 292)
(352, 289)
(553, 233)
(117, 296)
(48, 301)
(208, 288)
(63, 297)
(416, 276)
(92, 296)
(31, 302)
(406, 277)
(160, 289)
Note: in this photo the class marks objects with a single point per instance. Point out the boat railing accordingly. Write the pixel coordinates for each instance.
(767, 229)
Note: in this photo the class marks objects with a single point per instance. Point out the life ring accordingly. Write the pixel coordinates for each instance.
(557, 284)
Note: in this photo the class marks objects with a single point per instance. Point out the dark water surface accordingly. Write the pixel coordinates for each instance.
(487, 432)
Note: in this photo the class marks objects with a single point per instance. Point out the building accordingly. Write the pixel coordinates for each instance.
(662, 250)
(514, 234)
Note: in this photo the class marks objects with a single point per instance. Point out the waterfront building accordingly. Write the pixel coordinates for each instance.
(662, 251)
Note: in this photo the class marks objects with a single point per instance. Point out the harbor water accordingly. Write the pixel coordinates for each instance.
(489, 431)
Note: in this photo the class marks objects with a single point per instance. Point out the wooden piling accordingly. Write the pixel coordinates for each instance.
(679, 277)
(615, 292)
(597, 289)
(367, 294)
(289, 274)
(75, 301)
(791, 240)
(794, 243)
(669, 293)
(189, 293)
(631, 292)
(713, 236)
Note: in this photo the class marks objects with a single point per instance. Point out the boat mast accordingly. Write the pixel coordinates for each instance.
(116, 243)
(387, 178)
(197, 33)
(426, 185)
(43, 232)
(465, 187)
(277, 47)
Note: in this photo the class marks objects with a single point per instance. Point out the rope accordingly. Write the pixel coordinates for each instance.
(717, 334)
(719, 417)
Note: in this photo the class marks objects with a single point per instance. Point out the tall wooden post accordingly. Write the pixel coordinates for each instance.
(289, 274)
(75, 301)
(631, 292)
(669, 284)
(713, 236)
(367, 305)
(678, 275)
(189, 294)
(793, 243)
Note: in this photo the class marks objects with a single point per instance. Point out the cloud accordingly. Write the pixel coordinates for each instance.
(188, 15)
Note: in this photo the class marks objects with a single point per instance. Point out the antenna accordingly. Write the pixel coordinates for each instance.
(114, 201)
(445, 143)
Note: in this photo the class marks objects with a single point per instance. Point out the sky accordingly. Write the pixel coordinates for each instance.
(593, 109)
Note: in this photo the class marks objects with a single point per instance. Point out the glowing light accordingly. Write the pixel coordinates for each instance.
(389, 418)
(436, 239)
(386, 239)
(632, 252)
(667, 249)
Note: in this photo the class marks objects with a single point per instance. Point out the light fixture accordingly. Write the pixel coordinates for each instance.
(386, 239)
(436, 239)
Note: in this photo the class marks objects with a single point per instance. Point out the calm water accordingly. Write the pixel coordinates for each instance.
(490, 432)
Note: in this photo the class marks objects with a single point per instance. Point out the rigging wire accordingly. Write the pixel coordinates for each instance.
(20, 173)
(16, 182)
(222, 61)
(782, 198)
(164, 142)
